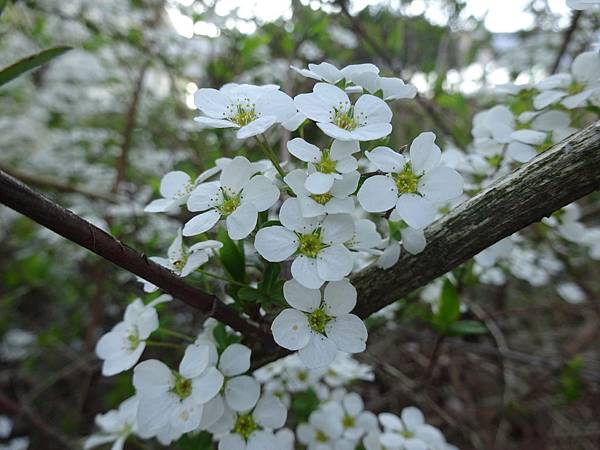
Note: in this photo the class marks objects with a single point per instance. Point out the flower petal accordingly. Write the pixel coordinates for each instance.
(334, 263)
(348, 332)
(304, 151)
(242, 221)
(339, 297)
(378, 194)
(416, 211)
(300, 297)
(319, 183)
(201, 223)
(386, 159)
(291, 329)
(441, 184)
(241, 393)
(235, 360)
(319, 353)
(424, 153)
(275, 243)
(305, 271)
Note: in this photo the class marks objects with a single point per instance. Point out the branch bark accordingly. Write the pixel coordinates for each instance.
(24, 200)
(567, 171)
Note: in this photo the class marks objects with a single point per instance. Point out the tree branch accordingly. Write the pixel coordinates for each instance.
(21, 198)
(567, 171)
(566, 39)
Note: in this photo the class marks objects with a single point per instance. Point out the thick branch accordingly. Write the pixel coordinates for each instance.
(21, 198)
(557, 177)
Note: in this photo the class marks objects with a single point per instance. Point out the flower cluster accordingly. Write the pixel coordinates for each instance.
(334, 206)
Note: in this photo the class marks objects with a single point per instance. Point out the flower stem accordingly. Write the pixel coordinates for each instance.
(270, 154)
(177, 334)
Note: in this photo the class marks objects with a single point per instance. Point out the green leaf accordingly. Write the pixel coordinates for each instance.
(31, 62)
(223, 339)
(464, 327)
(449, 308)
(570, 379)
(232, 256)
(304, 403)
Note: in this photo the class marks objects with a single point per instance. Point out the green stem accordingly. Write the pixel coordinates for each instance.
(177, 334)
(270, 154)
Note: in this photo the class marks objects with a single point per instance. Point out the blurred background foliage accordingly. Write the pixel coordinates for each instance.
(96, 129)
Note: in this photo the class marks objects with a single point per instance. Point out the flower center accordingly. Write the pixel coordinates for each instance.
(348, 421)
(406, 181)
(575, 88)
(134, 341)
(321, 437)
(407, 434)
(310, 244)
(182, 387)
(230, 203)
(179, 264)
(244, 114)
(326, 165)
(302, 375)
(322, 199)
(317, 320)
(345, 119)
(245, 426)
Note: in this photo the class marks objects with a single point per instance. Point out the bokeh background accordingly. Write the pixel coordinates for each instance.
(97, 128)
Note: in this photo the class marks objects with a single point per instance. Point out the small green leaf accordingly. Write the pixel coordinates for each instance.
(31, 62)
(223, 339)
(449, 308)
(464, 327)
(570, 379)
(232, 256)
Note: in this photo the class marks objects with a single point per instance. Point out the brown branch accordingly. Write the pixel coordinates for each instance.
(130, 117)
(53, 184)
(567, 171)
(21, 198)
(566, 39)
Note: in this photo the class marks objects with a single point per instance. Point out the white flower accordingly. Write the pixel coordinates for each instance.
(350, 412)
(115, 426)
(325, 166)
(182, 260)
(412, 187)
(571, 90)
(238, 195)
(583, 4)
(409, 431)
(322, 431)
(316, 244)
(122, 347)
(567, 223)
(336, 200)
(368, 119)
(253, 429)
(489, 256)
(251, 109)
(571, 292)
(362, 76)
(176, 398)
(175, 187)
(319, 327)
